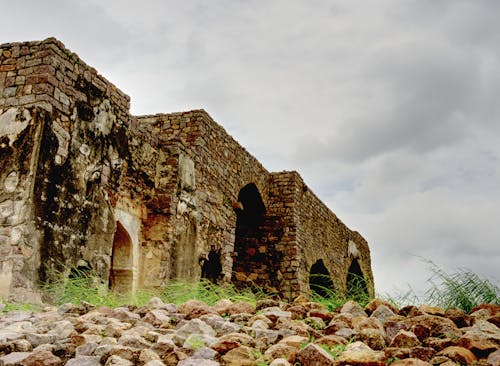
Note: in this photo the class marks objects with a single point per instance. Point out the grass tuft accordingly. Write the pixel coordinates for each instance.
(461, 289)
(332, 299)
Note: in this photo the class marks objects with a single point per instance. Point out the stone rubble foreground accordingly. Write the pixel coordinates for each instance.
(239, 334)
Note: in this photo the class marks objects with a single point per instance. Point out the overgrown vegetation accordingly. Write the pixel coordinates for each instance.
(462, 289)
(84, 286)
(332, 299)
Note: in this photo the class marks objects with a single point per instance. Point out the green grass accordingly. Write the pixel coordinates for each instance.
(332, 299)
(178, 291)
(461, 289)
(87, 287)
(11, 306)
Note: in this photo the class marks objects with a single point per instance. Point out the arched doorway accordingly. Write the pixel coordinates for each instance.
(121, 274)
(320, 280)
(212, 267)
(250, 260)
(356, 283)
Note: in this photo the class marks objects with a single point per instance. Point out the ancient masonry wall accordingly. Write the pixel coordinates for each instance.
(142, 200)
(63, 136)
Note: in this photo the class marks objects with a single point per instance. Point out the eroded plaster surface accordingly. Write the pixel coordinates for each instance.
(142, 200)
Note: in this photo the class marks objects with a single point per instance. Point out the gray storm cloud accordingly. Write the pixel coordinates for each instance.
(388, 109)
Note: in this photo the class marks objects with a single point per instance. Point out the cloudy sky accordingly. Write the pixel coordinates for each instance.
(389, 109)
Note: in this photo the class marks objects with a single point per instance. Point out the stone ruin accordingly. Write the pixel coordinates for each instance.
(140, 200)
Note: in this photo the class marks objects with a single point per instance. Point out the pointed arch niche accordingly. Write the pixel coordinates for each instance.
(320, 280)
(123, 276)
(248, 236)
(356, 283)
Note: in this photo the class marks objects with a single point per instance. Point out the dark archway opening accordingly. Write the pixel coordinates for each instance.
(82, 270)
(320, 281)
(121, 274)
(356, 283)
(250, 258)
(212, 267)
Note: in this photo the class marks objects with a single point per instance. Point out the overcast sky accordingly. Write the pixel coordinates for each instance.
(389, 110)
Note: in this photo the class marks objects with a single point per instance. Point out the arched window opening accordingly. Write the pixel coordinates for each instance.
(356, 283)
(212, 267)
(320, 281)
(250, 257)
(121, 274)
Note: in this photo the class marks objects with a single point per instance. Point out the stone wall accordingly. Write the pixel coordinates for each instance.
(142, 200)
(64, 136)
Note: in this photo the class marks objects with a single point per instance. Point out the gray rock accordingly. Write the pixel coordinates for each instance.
(382, 313)
(190, 361)
(194, 326)
(86, 349)
(118, 361)
(314, 355)
(205, 353)
(155, 303)
(84, 361)
(352, 307)
(38, 339)
(14, 358)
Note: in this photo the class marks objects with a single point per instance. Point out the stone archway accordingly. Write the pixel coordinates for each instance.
(320, 280)
(249, 258)
(356, 286)
(212, 267)
(121, 277)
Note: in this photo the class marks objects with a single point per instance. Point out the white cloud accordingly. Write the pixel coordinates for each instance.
(388, 109)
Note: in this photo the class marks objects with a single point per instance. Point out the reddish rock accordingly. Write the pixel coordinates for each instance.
(421, 331)
(405, 339)
(241, 307)
(439, 343)
(240, 356)
(396, 353)
(314, 355)
(353, 308)
(323, 314)
(298, 311)
(410, 362)
(373, 338)
(41, 358)
(439, 326)
(375, 303)
(410, 311)
(331, 340)
(359, 354)
(392, 327)
(295, 341)
(281, 350)
(459, 354)
(422, 353)
(335, 326)
(459, 317)
(492, 309)
(432, 310)
(222, 306)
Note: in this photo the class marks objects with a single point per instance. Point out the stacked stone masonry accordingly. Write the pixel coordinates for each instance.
(143, 200)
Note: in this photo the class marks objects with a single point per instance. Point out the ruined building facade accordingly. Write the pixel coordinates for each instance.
(141, 200)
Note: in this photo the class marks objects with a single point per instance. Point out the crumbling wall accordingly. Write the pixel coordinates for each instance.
(321, 235)
(142, 200)
(75, 141)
